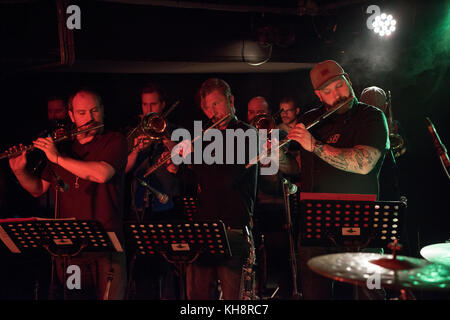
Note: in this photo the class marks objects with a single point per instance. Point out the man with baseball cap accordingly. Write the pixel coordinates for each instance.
(343, 153)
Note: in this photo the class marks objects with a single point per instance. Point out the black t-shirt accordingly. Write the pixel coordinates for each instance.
(227, 191)
(87, 200)
(361, 125)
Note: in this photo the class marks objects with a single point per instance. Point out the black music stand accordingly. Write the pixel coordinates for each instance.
(180, 242)
(186, 206)
(64, 238)
(350, 224)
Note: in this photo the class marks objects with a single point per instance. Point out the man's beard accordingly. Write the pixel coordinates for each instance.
(337, 102)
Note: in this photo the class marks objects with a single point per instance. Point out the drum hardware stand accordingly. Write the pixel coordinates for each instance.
(395, 264)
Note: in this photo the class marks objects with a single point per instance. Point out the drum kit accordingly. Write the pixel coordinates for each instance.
(376, 271)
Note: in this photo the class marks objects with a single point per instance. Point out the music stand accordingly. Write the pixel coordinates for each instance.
(64, 238)
(187, 206)
(180, 242)
(350, 224)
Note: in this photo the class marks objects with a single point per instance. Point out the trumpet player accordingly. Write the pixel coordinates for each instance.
(88, 172)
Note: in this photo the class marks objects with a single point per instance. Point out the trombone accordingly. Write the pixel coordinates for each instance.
(396, 140)
(309, 126)
(163, 160)
(152, 125)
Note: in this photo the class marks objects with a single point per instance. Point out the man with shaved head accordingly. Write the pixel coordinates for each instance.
(89, 174)
(256, 105)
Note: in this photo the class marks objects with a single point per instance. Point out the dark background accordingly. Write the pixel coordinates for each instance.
(123, 45)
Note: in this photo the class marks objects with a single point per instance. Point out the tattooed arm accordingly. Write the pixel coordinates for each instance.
(359, 159)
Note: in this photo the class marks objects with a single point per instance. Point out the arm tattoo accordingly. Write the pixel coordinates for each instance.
(359, 159)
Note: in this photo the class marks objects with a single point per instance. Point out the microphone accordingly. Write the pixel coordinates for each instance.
(440, 148)
(162, 198)
(61, 184)
(291, 187)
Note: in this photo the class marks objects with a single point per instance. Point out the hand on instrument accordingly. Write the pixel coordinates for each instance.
(170, 166)
(269, 152)
(48, 146)
(19, 162)
(169, 144)
(183, 149)
(140, 143)
(303, 137)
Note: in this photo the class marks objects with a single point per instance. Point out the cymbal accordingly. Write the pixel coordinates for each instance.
(437, 253)
(365, 268)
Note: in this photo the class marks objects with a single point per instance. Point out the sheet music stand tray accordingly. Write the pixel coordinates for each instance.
(64, 238)
(57, 236)
(351, 224)
(180, 242)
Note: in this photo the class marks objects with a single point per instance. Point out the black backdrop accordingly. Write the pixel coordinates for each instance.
(414, 67)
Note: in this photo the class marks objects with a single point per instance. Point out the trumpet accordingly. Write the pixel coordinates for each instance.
(309, 126)
(91, 125)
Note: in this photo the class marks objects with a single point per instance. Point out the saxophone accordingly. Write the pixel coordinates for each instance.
(247, 288)
(396, 140)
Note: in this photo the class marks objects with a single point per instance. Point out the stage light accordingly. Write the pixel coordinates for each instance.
(384, 25)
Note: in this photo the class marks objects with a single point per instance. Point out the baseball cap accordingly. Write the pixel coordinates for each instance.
(326, 72)
(375, 97)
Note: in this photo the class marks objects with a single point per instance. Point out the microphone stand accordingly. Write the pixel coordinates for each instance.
(288, 189)
(395, 175)
(60, 185)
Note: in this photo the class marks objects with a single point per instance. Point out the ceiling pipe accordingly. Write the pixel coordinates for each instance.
(304, 7)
